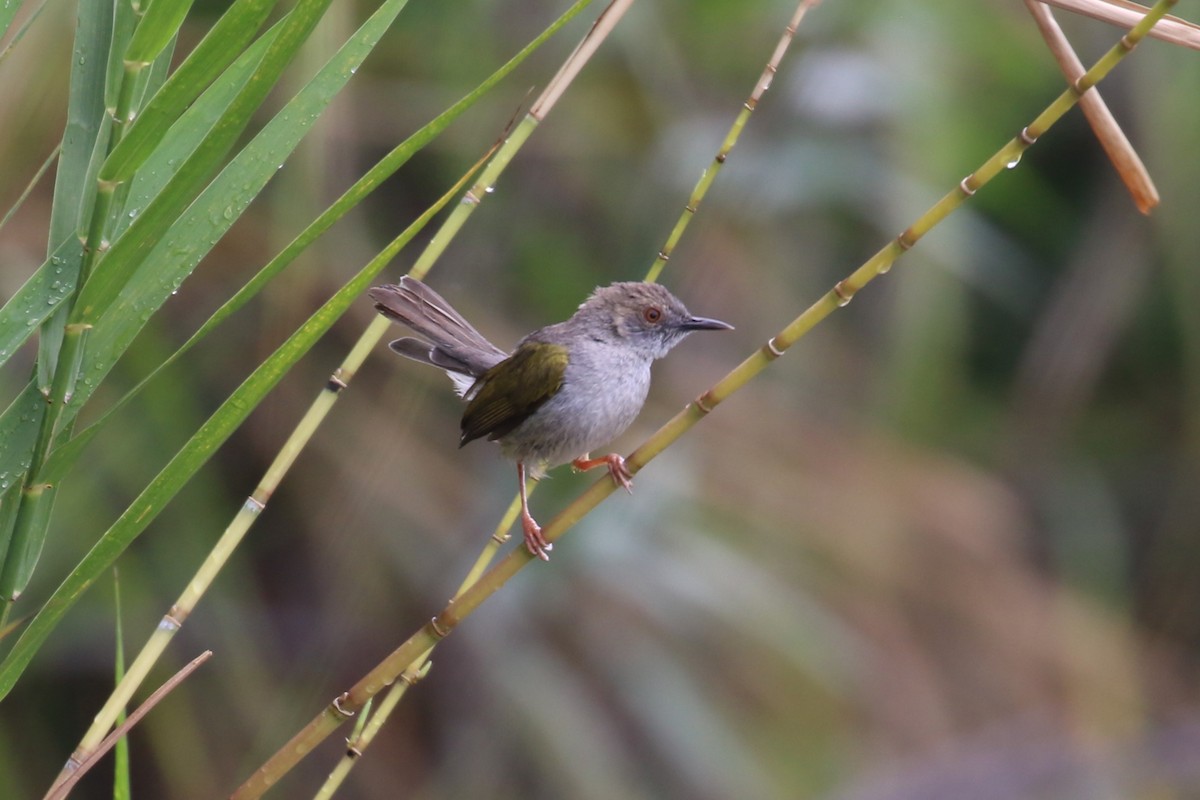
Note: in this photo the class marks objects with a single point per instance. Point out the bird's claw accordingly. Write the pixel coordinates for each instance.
(619, 472)
(535, 541)
(616, 469)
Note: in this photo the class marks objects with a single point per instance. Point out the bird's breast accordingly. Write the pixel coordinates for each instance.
(603, 391)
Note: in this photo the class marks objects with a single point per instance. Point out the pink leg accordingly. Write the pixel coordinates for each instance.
(534, 540)
(616, 468)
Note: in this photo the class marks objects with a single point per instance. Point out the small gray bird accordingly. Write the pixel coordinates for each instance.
(565, 390)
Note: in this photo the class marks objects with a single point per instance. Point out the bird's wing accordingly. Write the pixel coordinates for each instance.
(511, 391)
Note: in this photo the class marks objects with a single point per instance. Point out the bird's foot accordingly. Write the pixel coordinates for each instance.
(616, 468)
(535, 541)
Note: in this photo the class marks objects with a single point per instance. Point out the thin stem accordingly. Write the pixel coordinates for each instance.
(1116, 145)
(357, 744)
(709, 175)
(33, 182)
(600, 29)
(1126, 14)
(61, 789)
(346, 705)
(398, 689)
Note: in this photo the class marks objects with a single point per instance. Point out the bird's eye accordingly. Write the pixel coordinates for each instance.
(652, 314)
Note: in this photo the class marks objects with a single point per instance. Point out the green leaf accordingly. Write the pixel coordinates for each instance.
(85, 118)
(217, 50)
(182, 138)
(115, 268)
(38, 298)
(207, 219)
(121, 782)
(158, 27)
(10, 500)
(8, 10)
(122, 28)
(18, 428)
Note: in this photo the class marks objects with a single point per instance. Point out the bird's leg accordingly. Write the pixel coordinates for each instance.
(616, 468)
(534, 540)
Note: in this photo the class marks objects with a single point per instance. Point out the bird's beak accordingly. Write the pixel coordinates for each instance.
(705, 324)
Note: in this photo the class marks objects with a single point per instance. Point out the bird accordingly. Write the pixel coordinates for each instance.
(563, 391)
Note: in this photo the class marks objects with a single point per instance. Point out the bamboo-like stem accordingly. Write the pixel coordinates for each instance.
(709, 175)
(542, 106)
(61, 789)
(419, 667)
(357, 744)
(346, 705)
(248, 513)
(1116, 145)
(352, 752)
(1127, 14)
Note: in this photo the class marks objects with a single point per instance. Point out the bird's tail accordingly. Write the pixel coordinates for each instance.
(453, 343)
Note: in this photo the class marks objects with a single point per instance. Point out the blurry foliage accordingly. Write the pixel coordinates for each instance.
(945, 548)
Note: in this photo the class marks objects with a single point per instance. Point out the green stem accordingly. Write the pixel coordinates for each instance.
(709, 175)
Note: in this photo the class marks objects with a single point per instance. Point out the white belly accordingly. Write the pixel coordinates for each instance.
(602, 393)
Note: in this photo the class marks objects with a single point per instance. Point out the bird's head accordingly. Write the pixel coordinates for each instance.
(643, 316)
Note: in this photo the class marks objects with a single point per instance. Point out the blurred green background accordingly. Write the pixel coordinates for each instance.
(946, 548)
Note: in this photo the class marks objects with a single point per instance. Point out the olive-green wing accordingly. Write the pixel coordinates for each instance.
(513, 389)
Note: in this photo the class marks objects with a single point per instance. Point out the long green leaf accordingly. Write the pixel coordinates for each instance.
(158, 27)
(18, 427)
(122, 786)
(127, 253)
(39, 297)
(216, 51)
(189, 130)
(123, 23)
(8, 10)
(207, 219)
(198, 449)
(85, 118)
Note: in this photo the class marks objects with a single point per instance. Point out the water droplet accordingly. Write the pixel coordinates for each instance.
(490, 189)
(353, 70)
(884, 268)
(1013, 164)
(133, 212)
(228, 212)
(843, 301)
